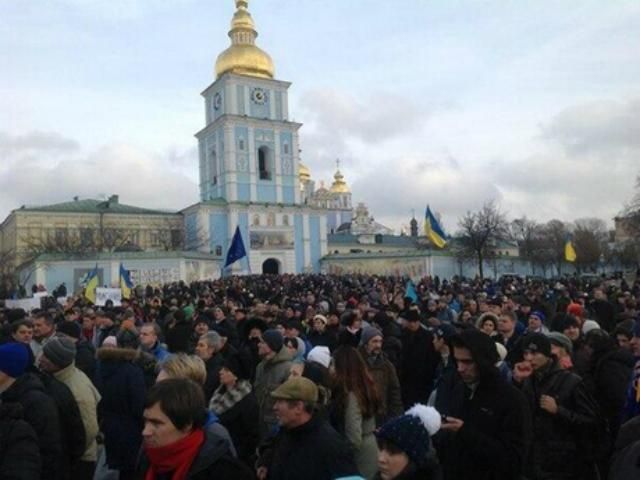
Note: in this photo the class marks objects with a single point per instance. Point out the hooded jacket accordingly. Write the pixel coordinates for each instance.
(495, 438)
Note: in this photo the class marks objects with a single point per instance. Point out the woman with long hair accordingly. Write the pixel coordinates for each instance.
(355, 401)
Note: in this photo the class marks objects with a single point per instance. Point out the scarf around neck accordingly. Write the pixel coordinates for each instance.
(176, 457)
(224, 398)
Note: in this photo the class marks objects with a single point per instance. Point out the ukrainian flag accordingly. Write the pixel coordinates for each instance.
(92, 284)
(125, 282)
(569, 251)
(433, 230)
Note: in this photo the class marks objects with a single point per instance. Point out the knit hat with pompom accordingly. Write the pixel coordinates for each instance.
(410, 432)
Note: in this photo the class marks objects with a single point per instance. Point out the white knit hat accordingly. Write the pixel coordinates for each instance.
(320, 355)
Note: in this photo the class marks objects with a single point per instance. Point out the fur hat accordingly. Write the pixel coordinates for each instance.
(411, 432)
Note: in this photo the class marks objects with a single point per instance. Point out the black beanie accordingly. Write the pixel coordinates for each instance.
(537, 343)
(273, 338)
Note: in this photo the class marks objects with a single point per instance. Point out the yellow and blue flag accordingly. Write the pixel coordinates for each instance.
(91, 285)
(569, 251)
(433, 230)
(125, 282)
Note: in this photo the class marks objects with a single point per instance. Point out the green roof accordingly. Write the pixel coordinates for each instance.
(94, 206)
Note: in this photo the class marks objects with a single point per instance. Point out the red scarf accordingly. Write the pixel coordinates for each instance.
(176, 457)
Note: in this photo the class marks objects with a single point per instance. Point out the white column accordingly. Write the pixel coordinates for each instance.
(233, 99)
(296, 168)
(272, 104)
(285, 105)
(253, 167)
(231, 179)
(306, 240)
(277, 160)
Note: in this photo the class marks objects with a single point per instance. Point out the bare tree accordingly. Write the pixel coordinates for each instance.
(553, 240)
(479, 231)
(590, 239)
(526, 233)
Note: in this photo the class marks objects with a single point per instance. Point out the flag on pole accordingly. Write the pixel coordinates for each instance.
(410, 292)
(433, 230)
(236, 250)
(125, 282)
(569, 250)
(92, 284)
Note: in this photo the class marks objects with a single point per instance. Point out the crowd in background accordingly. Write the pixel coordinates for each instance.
(316, 376)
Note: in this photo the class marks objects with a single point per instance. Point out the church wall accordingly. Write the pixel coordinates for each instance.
(218, 232)
(299, 240)
(288, 195)
(314, 233)
(278, 101)
(240, 100)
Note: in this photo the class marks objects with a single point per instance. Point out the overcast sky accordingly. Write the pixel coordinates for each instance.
(535, 104)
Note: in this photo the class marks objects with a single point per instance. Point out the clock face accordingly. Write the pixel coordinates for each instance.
(217, 101)
(259, 96)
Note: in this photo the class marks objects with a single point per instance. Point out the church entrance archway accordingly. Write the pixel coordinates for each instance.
(271, 266)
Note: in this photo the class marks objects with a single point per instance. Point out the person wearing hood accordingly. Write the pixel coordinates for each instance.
(565, 416)
(485, 434)
(272, 371)
(175, 443)
(383, 372)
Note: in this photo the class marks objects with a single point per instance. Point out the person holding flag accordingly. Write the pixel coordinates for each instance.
(433, 230)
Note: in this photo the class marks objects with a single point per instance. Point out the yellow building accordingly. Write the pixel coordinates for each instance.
(87, 226)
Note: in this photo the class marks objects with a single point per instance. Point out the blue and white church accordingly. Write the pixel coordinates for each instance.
(250, 166)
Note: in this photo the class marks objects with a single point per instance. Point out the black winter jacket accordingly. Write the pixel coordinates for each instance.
(419, 361)
(19, 453)
(243, 423)
(560, 442)
(494, 440)
(41, 413)
(313, 451)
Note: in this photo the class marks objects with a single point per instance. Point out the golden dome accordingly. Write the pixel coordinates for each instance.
(304, 174)
(339, 185)
(243, 56)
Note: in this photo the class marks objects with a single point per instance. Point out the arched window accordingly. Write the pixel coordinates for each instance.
(285, 220)
(256, 220)
(264, 163)
(271, 219)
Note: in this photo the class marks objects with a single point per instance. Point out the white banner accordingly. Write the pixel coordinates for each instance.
(105, 294)
(27, 304)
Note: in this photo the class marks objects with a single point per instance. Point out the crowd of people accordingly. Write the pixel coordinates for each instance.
(327, 377)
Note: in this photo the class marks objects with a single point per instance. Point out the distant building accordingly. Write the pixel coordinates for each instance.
(88, 225)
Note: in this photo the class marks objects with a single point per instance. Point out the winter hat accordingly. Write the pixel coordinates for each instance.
(539, 314)
(273, 339)
(445, 331)
(561, 340)
(575, 309)
(110, 341)
(589, 325)
(537, 343)
(412, 316)
(71, 329)
(320, 355)
(411, 432)
(235, 365)
(60, 351)
(14, 359)
(368, 333)
(322, 318)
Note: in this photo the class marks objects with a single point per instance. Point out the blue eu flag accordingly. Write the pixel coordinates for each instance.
(236, 250)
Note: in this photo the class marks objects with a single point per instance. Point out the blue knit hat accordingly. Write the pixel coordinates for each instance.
(14, 359)
(273, 338)
(411, 432)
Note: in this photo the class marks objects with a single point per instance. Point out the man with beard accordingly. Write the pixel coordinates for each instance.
(383, 373)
